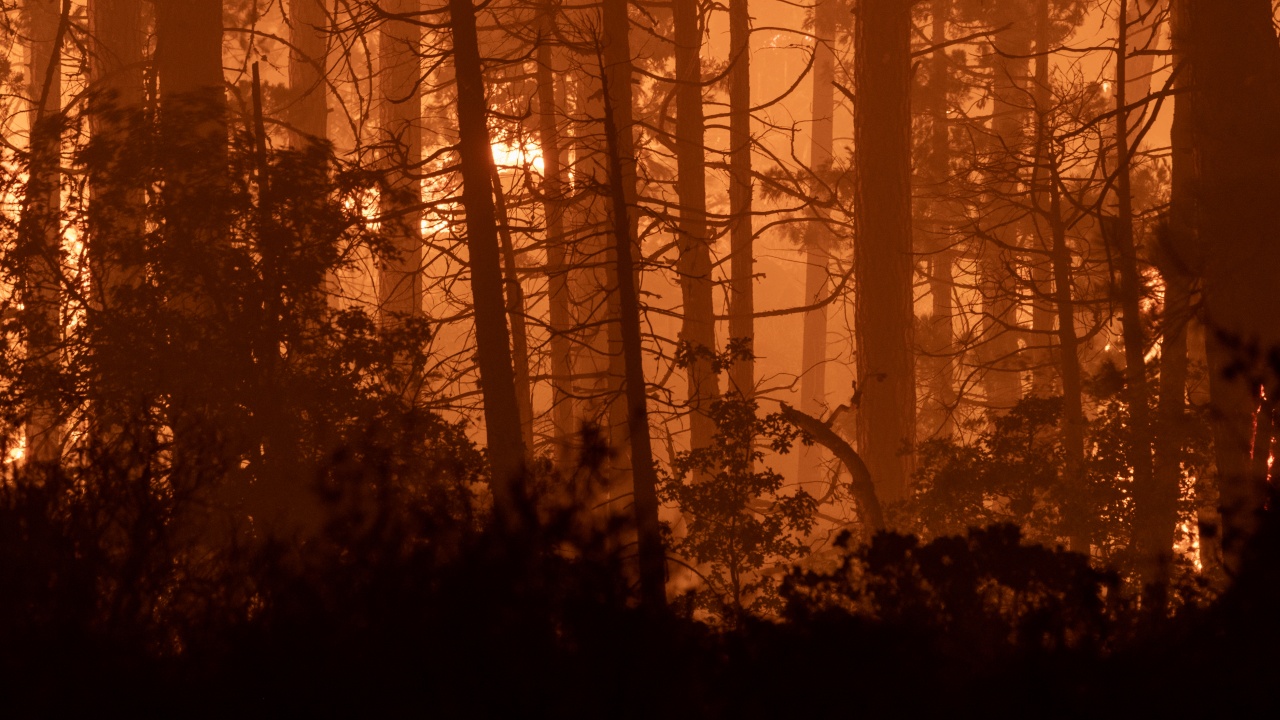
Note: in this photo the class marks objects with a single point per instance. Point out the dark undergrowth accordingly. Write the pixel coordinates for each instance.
(401, 605)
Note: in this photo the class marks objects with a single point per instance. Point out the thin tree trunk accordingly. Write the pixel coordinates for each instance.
(741, 232)
(941, 348)
(1139, 401)
(1073, 420)
(1042, 375)
(493, 349)
(618, 79)
(400, 278)
(883, 247)
(1002, 381)
(644, 474)
(553, 189)
(817, 236)
(589, 266)
(699, 329)
(40, 236)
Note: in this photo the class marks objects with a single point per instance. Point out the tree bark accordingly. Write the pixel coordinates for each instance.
(116, 198)
(643, 472)
(817, 236)
(617, 79)
(553, 190)
(741, 232)
(515, 311)
(883, 246)
(400, 276)
(1000, 353)
(941, 334)
(1235, 62)
(1040, 338)
(493, 349)
(308, 114)
(861, 480)
(40, 239)
(698, 332)
(1073, 419)
(1131, 290)
(1158, 517)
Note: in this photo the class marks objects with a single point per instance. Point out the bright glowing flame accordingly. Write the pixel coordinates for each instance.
(523, 155)
(16, 454)
(1189, 546)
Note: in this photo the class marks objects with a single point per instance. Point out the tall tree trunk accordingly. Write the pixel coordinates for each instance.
(1131, 290)
(1235, 61)
(493, 349)
(117, 199)
(883, 248)
(553, 201)
(817, 236)
(941, 340)
(1002, 382)
(644, 474)
(1158, 518)
(741, 232)
(515, 311)
(203, 352)
(699, 328)
(188, 59)
(1042, 375)
(1073, 420)
(400, 279)
(193, 129)
(589, 266)
(40, 239)
(617, 78)
(308, 114)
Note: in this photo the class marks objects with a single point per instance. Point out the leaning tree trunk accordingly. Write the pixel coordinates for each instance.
(741, 233)
(883, 248)
(699, 330)
(1235, 62)
(817, 236)
(493, 349)
(39, 239)
(617, 79)
(515, 310)
(644, 473)
(400, 278)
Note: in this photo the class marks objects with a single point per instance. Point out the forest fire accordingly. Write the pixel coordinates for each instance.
(602, 359)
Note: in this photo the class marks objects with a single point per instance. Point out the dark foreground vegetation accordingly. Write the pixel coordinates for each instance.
(400, 605)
